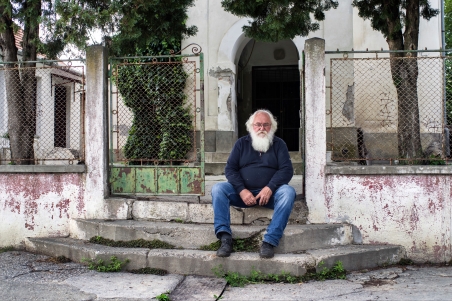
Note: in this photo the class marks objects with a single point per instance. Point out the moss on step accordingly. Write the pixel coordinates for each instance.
(337, 271)
(138, 243)
(250, 244)
(148, 270)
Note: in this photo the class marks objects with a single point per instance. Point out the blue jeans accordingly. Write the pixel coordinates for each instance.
(224, 195)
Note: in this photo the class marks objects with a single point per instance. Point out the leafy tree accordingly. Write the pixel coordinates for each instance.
(397, 20)
(275, 20)
(133, 27)
(162, 122)
(448, 23)
(448, 36)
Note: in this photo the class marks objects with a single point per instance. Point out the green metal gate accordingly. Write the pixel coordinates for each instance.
(157, 124)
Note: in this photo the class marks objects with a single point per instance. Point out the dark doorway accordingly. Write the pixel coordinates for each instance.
(59, 123)
(277, 89)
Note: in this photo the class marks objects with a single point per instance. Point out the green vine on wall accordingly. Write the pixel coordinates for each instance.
(162, 121)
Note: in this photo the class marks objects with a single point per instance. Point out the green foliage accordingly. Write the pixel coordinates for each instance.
(6, 249)
(5, 135)
(148, 27)
(133, 26)
(448, 23)
(162, 121)
(389, 17)
(274, 20)
(138, 243)
(436, 160)
(163, 297)
(335, 272)
(115, 265)
(235, 279)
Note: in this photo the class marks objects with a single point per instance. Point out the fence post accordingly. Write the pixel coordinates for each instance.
(315, 136)
(96, 128)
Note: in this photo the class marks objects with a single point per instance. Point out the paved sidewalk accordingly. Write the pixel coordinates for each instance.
(25, 276)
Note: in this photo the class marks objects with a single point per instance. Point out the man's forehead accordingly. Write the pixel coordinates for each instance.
(262, 116)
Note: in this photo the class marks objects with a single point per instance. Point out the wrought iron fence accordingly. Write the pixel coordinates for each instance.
(42, 112)
(154, 111)
(388, 110)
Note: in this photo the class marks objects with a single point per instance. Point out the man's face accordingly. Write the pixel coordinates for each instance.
(262, 124)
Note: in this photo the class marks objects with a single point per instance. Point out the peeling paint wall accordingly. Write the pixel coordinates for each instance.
(409, 210)
(33, 205)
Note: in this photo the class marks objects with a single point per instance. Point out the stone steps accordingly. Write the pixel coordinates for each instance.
(196, 262)
(296, 238)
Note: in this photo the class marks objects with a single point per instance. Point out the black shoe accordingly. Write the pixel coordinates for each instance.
(266, 250)
(226, 245)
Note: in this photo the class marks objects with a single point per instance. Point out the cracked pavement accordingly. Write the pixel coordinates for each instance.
(26, 276)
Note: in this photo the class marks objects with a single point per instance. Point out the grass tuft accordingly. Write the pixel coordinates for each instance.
(235, 279)
(115, 265)
(6, 249)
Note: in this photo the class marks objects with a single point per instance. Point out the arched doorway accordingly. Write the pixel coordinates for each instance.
(268, 77)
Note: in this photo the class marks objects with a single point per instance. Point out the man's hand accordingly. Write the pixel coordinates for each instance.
(248, 198)
(264, 196)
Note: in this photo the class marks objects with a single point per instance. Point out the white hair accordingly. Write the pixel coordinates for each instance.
(249, 122)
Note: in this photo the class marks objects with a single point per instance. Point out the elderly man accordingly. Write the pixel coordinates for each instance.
(258, 171)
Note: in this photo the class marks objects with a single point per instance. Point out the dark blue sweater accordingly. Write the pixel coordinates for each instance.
(250, 169)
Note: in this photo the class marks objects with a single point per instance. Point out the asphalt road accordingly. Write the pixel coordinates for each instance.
(25, 276)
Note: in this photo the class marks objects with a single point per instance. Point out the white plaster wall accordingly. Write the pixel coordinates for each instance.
(46, 105)
(408, 210)
(213, 23)
(36, 205)
(222, 41)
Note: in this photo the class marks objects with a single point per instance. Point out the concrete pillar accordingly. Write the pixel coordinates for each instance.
(96, 130)
(315, 137)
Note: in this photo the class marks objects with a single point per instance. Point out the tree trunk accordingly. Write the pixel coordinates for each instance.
(21, 84)
(404, 71)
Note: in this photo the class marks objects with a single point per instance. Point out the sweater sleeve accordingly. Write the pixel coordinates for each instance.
(232, 169)
(285, 169)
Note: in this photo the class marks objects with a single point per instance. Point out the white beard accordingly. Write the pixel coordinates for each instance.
(261, 144)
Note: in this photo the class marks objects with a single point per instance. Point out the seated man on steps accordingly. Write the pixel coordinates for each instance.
(258, 171)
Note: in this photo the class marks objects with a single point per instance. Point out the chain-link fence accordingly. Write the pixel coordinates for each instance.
(388, 110)
(42, 113)
(154, 111)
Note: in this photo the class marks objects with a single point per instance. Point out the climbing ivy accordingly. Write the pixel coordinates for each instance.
(162, 121)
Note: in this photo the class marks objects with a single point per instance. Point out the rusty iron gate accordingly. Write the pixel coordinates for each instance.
(157, 124)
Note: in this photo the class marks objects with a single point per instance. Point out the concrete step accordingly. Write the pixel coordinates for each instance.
(296, 238)
(194, 210)
(195, 262)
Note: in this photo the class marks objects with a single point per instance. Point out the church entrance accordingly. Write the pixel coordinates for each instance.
(277, 89)
(268, 77)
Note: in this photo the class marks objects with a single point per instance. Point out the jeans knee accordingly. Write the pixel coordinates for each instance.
(288, 193)
(219, 188)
